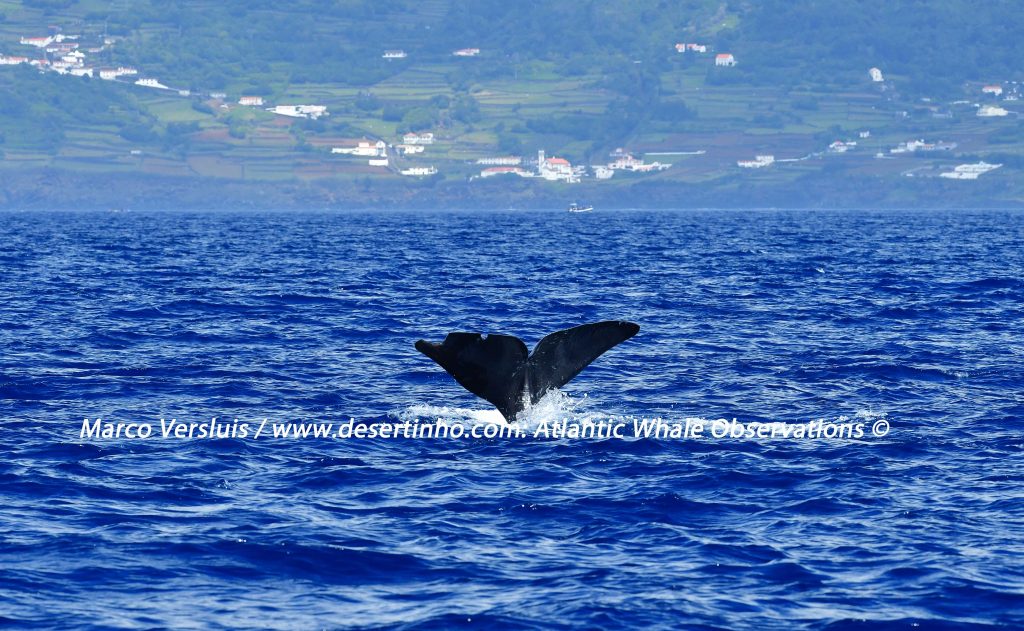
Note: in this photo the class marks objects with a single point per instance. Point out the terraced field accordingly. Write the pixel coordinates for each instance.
(516, 102)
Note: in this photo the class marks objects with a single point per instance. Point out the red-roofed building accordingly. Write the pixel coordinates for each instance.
(725, 59)
(492, 171)
(555, 169)
(38, 42)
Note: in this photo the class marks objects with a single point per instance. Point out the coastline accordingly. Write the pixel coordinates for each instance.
(50, 188)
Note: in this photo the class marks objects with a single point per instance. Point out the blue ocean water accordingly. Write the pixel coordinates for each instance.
(911, 318)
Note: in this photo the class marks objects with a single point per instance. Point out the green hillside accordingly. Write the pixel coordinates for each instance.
(575, 79)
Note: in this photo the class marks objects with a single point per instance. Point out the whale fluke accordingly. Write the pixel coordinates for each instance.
(499, 369)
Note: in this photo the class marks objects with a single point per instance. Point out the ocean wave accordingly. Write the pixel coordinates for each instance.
(763, 317)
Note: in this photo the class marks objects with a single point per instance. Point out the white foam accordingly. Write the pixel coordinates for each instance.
(554, 406)
(424, 412)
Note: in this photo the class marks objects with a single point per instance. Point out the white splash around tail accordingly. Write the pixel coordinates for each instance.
(554, 406)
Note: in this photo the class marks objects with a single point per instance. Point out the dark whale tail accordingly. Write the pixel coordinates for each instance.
(499, 369)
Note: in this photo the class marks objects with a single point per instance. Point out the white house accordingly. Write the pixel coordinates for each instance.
(251, 100)
(410, 149)
(218, 95)
(394, 54)
(970, 171)
(300, 111)
(492, 171)
(81, 72)
(108, 74)
(503, 161)
(426, 138)
(151, 83)
(758, 162)
(12, 61)
(725, 59)
(989, 111)
(126, 71)
(377, 162)
(365, 148)
(994, 90)
(419, 171)
(467, 52)
(876, 75)
(38, 42)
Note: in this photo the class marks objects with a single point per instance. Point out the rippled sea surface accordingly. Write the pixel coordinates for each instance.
(912, 318)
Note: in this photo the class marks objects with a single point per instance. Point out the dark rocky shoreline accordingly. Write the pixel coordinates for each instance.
(59, 189)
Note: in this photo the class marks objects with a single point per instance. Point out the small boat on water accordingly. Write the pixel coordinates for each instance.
(580, 208)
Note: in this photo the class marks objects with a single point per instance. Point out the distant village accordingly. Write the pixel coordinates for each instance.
(66, 55)
(553, 168)
(1008, 93)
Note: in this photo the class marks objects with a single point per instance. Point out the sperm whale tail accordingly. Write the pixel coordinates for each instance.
(500, 370)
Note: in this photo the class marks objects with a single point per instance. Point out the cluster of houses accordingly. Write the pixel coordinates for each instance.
(691, 48)
(1011, 92)
(622, 160)
(842, 146)
(914, 146)
(553, 169)
(722, 60)
(376, 151)
(557, 169)
(64, 54)
(550, 168)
